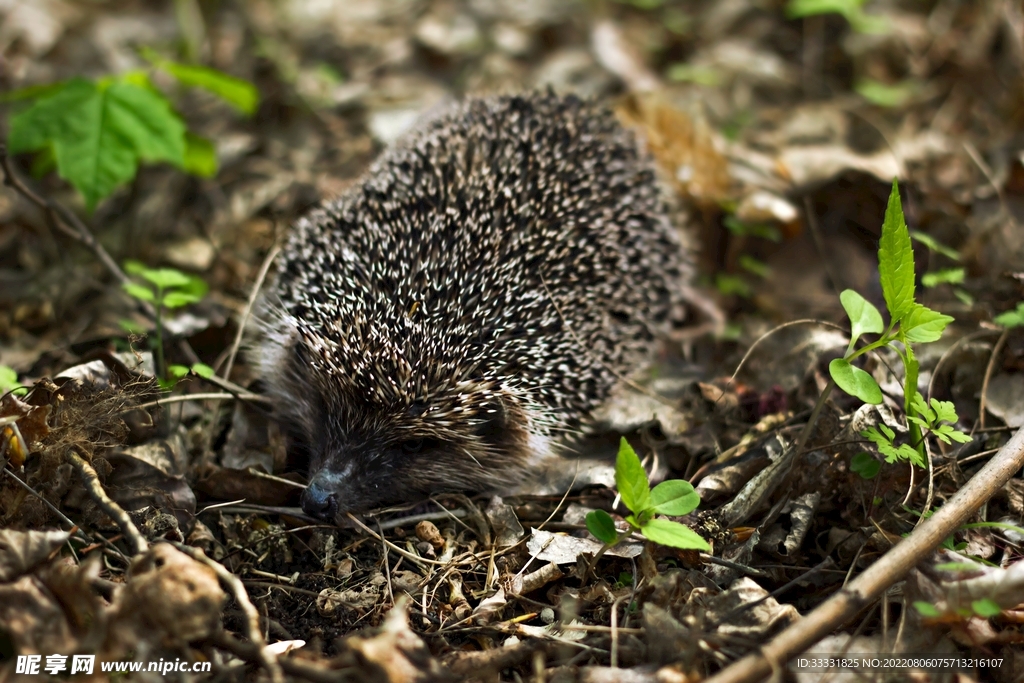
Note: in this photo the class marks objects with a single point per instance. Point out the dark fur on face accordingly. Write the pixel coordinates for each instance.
(447, 321)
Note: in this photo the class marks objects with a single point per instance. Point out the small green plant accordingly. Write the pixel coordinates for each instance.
(1010, 319)
(165, 288)
(909, 323)
(9, 382)
(176, 372)
(96, 132)
(986, 608)
(851, 10)
(865, 465)
(672, 497)
(884, 94)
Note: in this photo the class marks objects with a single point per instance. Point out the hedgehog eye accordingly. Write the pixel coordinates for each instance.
(416, 445)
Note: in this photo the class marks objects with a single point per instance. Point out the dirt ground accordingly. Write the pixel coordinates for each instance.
(146, 521)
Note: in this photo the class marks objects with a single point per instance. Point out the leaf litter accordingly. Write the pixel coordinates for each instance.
(778, 138)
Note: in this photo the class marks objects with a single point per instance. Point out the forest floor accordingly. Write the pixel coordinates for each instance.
(779, 128)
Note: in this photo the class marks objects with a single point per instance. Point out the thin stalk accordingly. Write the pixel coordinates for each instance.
(161, 368)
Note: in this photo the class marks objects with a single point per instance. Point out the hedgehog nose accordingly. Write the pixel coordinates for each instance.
(319, 501)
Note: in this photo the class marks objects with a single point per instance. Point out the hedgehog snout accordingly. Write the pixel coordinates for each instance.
(320, 498)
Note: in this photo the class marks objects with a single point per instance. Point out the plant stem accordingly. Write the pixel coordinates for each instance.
(161, 368)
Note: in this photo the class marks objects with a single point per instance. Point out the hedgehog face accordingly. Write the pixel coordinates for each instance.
(365, 451)
(409, 454)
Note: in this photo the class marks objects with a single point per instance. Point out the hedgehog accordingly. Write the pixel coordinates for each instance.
(452, 322)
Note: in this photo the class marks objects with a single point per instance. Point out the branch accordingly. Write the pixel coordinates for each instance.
(889, 569)
(67, 221)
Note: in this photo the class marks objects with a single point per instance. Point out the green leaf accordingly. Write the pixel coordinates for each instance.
(138, 291)
(946, 433)
(165, 278)
(674, 535)
(602, 526)
(762, 230)
(944, 411)
(865, 465)
(674, 497)
(43, 162)
(681, 72)
(851, 10)
(965, 297)
(239, 93)
(935, 245)
(203, 370)
(32, 92)
(922, 409)
(176, 371)
(896, 259)
(196, 286)
(733, 284)
(752, 265)
(631, 479)
(200, 157)
(987, 608)
(1010, 319)
(926, 609)
(909, 453)
(99, 134)
(178, 299)
(9, 381)
(133, 267)
(950, 276)
(131, 327)
(922, 324)
(884, 94)
(873, 434)
(855, 381)
(864, 317)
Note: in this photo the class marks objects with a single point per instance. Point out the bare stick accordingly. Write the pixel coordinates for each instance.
(67, 221)
(92, 484)
(293, 667)
(989, 369)
(889, 569)
(256, 287)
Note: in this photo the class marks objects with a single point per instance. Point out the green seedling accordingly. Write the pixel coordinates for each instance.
(985, 608)
(1011, 319)
(909, 323)
(865, 465)
(673, 497)
(166, 289)
(851, 10)
(97, 132)
(9, 382)
(884, 94)
(176, 372)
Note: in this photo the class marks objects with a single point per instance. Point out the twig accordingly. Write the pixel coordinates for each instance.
(777, 328)
(889, 569)
(989, 369)
(209, 396)
(404, 553)
(293, 667)
(265, 655)
(67, 221)
(256, 287)
(614, 657)
(91, 481)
